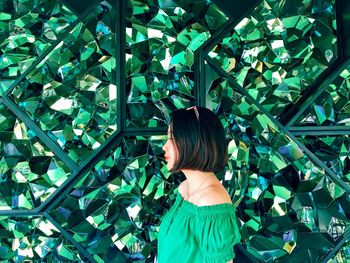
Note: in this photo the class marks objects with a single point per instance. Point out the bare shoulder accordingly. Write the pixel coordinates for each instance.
(214, 195)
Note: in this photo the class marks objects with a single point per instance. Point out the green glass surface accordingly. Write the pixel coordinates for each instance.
(287, 205)
(29, 170)
(277, 51)
(114, 210)
(70, 94)
(34, 239)
(161, 39)
(27, 28)
(334, 151)
(343, 255)
(289, 208)
(332, 107)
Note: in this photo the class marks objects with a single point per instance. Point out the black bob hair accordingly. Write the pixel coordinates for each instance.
(199, 138)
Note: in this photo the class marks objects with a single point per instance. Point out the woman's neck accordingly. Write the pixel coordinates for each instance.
(195, 178)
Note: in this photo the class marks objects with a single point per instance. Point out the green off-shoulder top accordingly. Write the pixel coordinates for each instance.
(197, 234)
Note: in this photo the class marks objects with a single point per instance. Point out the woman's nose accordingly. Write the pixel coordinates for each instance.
(164, 146)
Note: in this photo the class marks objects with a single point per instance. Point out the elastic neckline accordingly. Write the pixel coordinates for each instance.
(215, 209)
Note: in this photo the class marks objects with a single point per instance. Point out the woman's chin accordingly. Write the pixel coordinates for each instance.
(169, 166)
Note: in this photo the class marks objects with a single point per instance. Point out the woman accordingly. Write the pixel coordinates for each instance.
(201, 226)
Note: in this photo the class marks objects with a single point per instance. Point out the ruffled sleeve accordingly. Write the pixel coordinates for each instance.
(217, 232)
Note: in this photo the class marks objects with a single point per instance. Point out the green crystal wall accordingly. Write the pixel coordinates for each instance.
(85, 100)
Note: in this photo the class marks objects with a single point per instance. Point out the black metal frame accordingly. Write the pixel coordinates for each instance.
(285, 123)
(313, 93)
(320, 131)
(82, 251)
(290, 115)
(242, 91)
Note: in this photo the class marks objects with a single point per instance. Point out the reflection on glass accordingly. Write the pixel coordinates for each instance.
(71, 94)
(279, 50)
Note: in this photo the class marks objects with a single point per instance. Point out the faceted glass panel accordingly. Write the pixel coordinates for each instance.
(29, 170)
(279, 50)
(343, 255)
(34, 239)
(27, 28)
(334, 151)
(161, 38)
(114, 210)
(70, 94)
(332, 107)
(288, 206)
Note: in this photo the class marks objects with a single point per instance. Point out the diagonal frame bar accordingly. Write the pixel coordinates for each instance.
(316, 160)
(82, 251)
(199, 54)
(115, 139)
(292, 116)
(57, 150)
(338, 246)
(49, 49)
(68, 185)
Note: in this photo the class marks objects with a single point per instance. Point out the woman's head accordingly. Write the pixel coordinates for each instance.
(196, 141)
